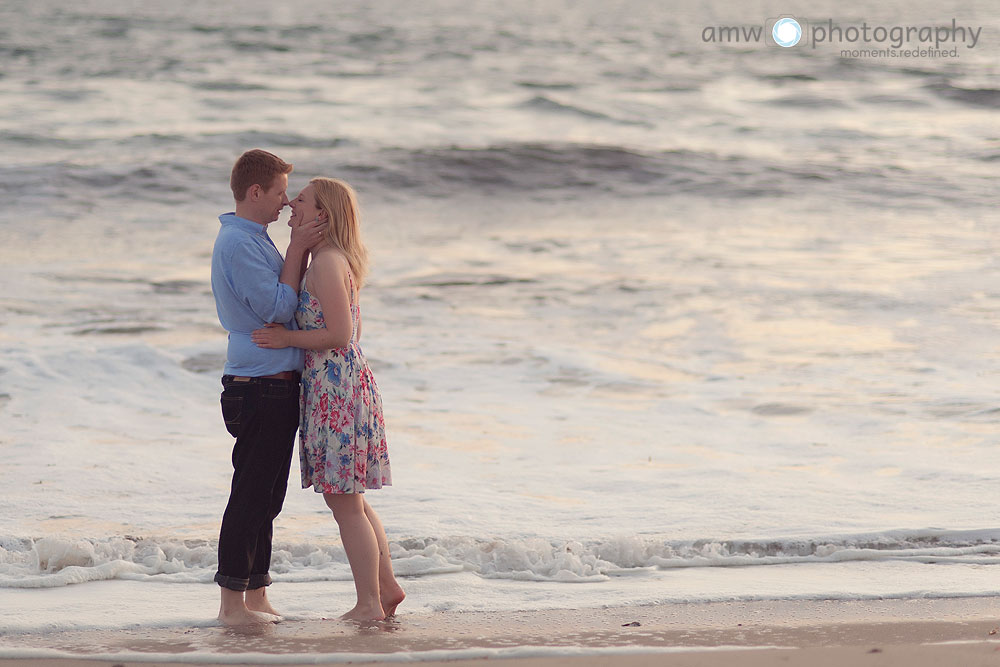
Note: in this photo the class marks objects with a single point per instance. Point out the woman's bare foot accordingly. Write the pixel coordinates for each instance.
(364, 613)
(256, 600)
(391, 597)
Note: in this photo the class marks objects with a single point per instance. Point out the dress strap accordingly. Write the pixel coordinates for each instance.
(355, 309)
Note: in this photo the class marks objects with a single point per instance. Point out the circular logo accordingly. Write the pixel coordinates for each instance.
(786, 32)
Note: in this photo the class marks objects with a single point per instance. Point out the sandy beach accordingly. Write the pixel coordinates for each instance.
(967, 655)
(885, 632)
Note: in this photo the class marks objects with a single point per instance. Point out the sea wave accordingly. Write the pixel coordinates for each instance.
(976, 97)
(548, 105)
(250, 138)
(53, 562)
(553, 169)
(541, 171)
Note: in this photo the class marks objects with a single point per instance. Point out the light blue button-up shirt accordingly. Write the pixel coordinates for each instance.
(246, 268)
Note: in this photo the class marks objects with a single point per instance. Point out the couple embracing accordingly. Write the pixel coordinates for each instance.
(294, 363)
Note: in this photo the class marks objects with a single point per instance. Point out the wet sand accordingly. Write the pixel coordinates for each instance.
(886, 632)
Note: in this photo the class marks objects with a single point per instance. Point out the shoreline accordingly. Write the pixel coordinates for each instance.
(966, 655)
(913, 632)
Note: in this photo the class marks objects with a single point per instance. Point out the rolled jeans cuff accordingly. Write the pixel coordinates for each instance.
(237, 584)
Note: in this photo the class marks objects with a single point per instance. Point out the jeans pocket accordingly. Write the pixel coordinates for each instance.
(232, 410)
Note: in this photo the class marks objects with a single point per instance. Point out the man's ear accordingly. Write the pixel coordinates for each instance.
(253, 193)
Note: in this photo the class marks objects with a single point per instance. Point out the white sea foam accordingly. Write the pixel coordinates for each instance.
(54, 562)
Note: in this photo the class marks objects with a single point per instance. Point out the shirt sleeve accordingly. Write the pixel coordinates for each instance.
(256, 284)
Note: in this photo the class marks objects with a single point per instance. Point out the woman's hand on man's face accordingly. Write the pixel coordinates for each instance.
(308, 234)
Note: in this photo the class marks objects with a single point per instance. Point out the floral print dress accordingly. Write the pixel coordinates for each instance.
(342, 446)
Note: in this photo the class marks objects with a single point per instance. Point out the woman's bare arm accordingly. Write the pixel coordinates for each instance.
(327, 281)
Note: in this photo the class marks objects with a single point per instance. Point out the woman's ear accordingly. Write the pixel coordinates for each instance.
(322, 216)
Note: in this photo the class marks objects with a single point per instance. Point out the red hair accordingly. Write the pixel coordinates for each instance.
(256, 167)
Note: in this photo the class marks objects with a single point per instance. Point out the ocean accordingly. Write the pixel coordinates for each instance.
(656, 320)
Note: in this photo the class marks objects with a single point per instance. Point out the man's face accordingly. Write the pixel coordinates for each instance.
(274, 199)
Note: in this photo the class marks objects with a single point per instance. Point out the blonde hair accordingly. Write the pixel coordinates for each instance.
(343, 230)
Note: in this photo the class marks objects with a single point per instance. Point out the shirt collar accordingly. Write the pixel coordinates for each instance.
(243, 223)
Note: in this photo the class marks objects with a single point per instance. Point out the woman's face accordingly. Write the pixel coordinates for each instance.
(304, 207)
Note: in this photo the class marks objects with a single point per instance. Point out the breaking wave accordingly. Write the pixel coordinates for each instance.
(52, 562)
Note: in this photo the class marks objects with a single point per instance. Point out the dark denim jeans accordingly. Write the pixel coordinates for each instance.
(263, 415)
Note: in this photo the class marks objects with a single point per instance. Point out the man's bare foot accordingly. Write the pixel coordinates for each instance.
(391, 597)
(256, 600)
(265, 608)
(242, 617)
(364, 613)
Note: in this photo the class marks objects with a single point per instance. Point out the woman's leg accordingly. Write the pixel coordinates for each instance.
(390, 592)
(362, 549)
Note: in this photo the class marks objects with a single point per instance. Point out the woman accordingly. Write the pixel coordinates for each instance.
(342, 448)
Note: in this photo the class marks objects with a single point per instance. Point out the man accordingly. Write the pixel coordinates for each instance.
(253, 285)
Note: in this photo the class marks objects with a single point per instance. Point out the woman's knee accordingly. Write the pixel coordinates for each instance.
(345, 505)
